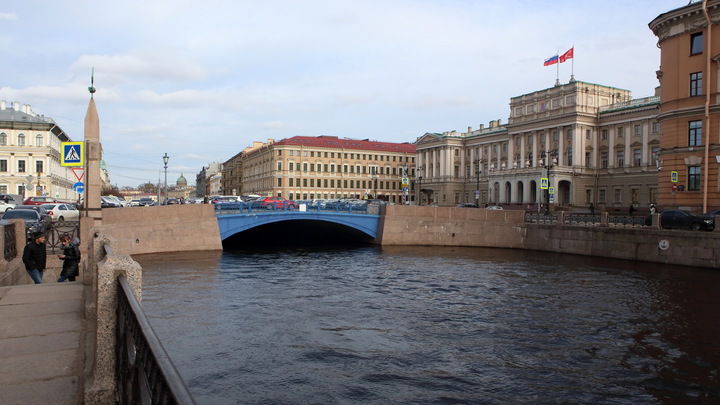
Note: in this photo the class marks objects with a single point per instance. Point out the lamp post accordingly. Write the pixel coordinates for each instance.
(419, 172)
(166, 158)
(478, 162)
(374, 178)
(547, 160)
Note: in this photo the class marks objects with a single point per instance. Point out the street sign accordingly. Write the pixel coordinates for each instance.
(79, 172)
(673, 176)
(551, 191)
(79, 187)
(544, 183)
(674, 187)
(72, 154)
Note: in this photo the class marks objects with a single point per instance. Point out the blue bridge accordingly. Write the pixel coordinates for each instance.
(234, 218)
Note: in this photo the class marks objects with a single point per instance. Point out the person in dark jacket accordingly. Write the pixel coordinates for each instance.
(34, 257)
(70, 258)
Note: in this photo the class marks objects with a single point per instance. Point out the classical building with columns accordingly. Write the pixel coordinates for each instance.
(569, 145)
(30, 146)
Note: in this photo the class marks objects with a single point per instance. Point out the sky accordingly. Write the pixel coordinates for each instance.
(202, 80)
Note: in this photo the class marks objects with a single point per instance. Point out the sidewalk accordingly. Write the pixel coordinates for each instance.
(41, 343)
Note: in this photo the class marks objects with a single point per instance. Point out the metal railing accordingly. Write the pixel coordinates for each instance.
(58, 230)
(339, 207)
(145, 374)
(569, 218)
(10, 247)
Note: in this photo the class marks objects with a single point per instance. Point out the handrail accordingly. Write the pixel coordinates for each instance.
(10, 248)
(145, 373)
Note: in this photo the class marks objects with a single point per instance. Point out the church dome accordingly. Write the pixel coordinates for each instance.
(181, 181)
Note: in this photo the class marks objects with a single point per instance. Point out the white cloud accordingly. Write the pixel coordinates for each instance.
(8, 16)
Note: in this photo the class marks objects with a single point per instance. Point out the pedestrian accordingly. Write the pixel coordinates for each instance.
(632, 209)
(652, 209)
(70, 258)
(34, 257)
(592, 209)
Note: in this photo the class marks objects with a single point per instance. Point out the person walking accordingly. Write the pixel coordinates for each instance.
(70, 258)
(34, 257)
(632, 209)
(592, 209)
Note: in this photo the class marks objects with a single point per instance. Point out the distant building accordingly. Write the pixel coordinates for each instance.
(208, 181)
(571, 145)
(689, 109)
(30, 146)
(322, 167)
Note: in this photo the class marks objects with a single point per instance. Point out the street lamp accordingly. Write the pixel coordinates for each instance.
(547, 160)
(478, 162)
(419, 172)
(165, 160)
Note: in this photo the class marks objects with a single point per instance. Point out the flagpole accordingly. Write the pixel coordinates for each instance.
(572, 67)
(557, 74)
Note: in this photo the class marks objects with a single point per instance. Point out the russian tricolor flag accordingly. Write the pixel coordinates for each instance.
(551, 61)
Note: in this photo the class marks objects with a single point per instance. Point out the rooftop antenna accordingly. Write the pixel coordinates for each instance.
(91, 89)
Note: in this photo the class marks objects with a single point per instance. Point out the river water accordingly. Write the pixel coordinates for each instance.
(419, 325)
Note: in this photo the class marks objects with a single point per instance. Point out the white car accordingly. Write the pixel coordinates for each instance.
(62, 212)
(5, 207)
(494, 207)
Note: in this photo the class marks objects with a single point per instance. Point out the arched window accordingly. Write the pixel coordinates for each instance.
(21, 139)
(3, 139)
(38, 140)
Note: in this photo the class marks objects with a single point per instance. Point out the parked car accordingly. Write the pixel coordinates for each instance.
(135, 203)
(467, 205)
(672, 219)
(225, 199)
(275, 202)
(146, 201)
(12, 198)
(494, 207)
(5, 207)
(35, 221)
(109, 203)
(62, 212)
(39, 200)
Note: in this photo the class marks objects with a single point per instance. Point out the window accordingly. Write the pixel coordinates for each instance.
(291, 166)
(304, 166)
(587, 159)
(568, 157)
(655, 127)
(618, 196)
(21, 166)
(588, 134)
(312, 166)
(556, 136)
(279, 152)
(279, 165)
(601, 196)
(604, 134)
(291, 183)
(312, 153)
(637, 157)
(604, 160)
(620, 158)
(21, 140)
(279, 182)
(290, 152)
(694, 178)
(638, 129)
(695, 84)
(3, 165)
(569, 135)
(3, 139)
(38, 166)
(621, 132)
(696, 43)
(695, 133)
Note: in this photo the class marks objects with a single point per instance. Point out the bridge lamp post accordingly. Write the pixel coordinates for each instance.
(547, 160)
(166, 158)
(478, 162)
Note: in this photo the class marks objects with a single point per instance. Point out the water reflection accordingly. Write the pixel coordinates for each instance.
(434, 325)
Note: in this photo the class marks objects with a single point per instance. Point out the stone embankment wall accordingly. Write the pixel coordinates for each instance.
(172, 228)
(439, 226)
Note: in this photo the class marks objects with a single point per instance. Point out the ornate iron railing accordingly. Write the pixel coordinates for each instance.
(569, 218)
(58, 229)
(627, 221)
(145, 374)
(10, 247)
(548, 218)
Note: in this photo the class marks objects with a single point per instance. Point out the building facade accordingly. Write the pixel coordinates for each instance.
(689, 41)
(574, 144)
(30, 146)
(324, 167)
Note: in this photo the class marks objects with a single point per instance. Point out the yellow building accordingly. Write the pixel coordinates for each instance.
(323, 167)
(30, 147)
(689, 108)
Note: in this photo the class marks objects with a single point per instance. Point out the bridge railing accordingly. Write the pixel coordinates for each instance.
(253, 208)
(600, 219)
(145, 374)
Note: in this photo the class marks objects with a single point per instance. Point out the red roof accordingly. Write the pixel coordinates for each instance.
(336, 143)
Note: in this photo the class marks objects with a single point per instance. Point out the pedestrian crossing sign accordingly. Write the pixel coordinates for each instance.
(72, 154)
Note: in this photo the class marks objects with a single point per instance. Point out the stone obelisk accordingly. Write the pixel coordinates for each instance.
(93, 150)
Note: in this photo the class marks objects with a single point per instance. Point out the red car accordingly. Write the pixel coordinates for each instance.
(41, 200)
(277, 203)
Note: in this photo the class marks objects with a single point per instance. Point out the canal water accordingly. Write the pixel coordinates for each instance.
(420, 325)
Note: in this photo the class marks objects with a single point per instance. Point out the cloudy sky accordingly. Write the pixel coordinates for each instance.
(201, 80)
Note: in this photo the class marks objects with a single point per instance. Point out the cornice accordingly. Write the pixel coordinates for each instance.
(691, 17)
